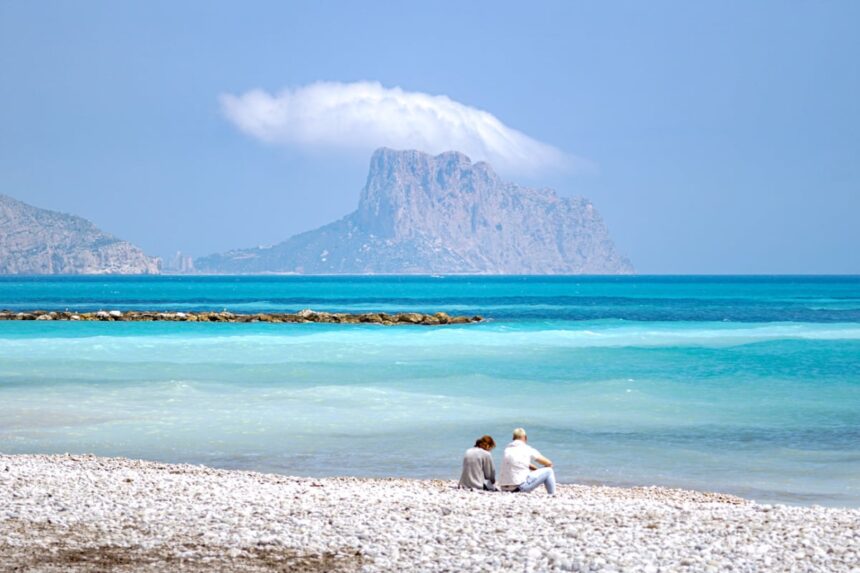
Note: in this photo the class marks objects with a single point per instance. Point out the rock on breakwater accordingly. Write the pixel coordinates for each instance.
(84, 513)
(303, 316)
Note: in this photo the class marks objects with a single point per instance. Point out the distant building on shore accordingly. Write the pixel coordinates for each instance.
(179, 264)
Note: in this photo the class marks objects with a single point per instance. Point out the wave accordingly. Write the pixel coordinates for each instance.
(243, 343)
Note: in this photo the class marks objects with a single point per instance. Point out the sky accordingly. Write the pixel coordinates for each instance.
(713, 137)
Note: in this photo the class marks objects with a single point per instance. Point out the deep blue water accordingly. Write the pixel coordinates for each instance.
(749, 385)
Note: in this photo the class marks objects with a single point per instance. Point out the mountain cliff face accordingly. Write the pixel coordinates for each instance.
(38, 241)
(444, 214)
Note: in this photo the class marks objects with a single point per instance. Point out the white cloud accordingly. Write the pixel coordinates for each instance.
(365, 115)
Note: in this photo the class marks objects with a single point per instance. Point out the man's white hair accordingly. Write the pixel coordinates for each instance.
(519, 433)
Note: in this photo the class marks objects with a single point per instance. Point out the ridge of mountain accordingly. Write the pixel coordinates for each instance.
(425, 214)
(39, 241)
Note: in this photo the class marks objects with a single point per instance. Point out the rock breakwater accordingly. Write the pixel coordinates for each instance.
(303, 316)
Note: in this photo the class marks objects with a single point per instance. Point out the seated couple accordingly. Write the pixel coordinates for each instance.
(518, 471)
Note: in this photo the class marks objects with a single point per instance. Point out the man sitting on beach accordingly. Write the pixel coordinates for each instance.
(518, 472)
(478, 469)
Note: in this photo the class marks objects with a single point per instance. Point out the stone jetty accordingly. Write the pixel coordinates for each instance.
(303, 316)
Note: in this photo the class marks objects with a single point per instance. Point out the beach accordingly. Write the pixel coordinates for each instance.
(276, 278)
(88, 513)
(644, 391)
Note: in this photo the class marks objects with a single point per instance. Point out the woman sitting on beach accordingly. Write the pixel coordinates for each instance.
(478, 469)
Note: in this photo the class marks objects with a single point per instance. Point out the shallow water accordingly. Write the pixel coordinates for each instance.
(748, 385)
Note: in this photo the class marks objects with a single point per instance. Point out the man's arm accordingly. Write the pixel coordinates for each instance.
(545, 462)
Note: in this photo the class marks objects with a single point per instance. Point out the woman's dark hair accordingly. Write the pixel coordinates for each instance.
(485, 442)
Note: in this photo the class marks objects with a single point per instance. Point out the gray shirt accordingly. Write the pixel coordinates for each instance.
(478, 469)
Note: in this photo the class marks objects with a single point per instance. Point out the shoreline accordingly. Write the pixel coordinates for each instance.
(87, 513)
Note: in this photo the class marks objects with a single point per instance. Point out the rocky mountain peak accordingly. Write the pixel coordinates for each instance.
(39, 241)
(422, 213)
(399, 183)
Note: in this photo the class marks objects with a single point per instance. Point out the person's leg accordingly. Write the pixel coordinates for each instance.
(542, 476)
(550, 481)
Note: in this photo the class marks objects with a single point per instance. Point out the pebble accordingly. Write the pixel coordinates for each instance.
(152, 515)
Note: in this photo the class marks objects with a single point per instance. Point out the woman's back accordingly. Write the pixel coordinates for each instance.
(478, 469)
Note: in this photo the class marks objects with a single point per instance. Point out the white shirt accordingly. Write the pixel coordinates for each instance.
(515, 465)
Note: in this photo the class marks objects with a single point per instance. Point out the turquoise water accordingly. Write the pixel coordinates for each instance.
(748, 385)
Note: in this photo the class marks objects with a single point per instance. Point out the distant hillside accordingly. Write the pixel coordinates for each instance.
(38, 241)
(444, 214)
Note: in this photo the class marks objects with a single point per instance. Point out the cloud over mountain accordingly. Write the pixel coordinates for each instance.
(365, 115)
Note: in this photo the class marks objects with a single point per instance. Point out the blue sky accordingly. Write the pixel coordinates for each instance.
(713, 137)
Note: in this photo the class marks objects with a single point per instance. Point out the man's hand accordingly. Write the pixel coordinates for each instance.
(545, 462)
(532, 467)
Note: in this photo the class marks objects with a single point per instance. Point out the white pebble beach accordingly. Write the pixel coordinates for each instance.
(88, 513)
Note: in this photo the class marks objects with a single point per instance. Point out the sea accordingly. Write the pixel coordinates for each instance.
(748, 385)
